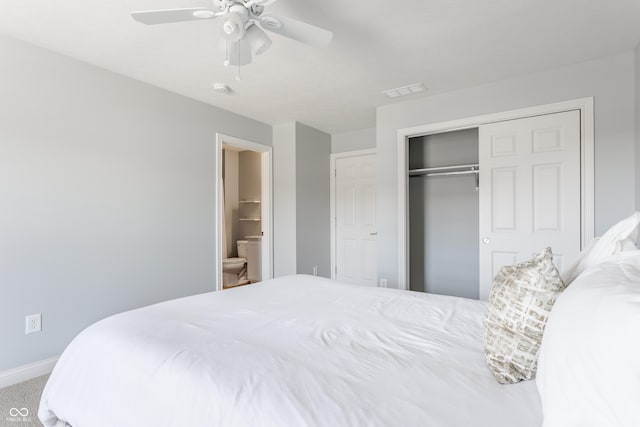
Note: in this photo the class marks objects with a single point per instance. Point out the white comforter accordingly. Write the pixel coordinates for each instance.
(295, 351)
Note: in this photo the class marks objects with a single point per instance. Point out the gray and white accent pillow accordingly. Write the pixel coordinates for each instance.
(520, 301)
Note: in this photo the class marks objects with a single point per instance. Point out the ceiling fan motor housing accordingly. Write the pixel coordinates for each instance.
(240, 10)
(222, 5)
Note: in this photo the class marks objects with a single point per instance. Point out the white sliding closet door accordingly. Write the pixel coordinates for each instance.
(529, 191)
(355, 204)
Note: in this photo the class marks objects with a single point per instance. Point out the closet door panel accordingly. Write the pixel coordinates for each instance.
(503, 145)
(529, 191)
(505, 199)
(547, 197)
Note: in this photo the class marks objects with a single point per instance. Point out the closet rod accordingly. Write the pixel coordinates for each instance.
(446, 173)
(423, 171)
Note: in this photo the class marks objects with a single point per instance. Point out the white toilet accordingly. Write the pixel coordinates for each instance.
(234, 270)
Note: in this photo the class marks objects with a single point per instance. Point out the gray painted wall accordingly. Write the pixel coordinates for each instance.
(313, 227)
(444, 216)
(108, 195)
(637, 85)
(284, 199)
(301, 211)
(609, 80)
(351, 141)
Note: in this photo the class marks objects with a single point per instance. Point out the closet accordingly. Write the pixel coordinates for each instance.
(490, 196)
(444, 213)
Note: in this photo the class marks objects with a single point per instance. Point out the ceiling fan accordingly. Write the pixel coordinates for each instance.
(242, 26)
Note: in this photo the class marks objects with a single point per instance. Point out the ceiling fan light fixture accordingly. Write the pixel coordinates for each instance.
(258, 40)
(242, 27)
(239, 53)
(233, 28)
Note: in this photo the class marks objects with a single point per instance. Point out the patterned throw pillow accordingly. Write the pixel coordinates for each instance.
(520, 301)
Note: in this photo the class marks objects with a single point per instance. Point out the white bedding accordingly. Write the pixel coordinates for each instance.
(295, 351)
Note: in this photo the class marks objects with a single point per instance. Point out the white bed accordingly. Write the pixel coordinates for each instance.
(295, 351)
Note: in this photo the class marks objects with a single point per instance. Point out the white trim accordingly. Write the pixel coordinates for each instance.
(267, 214)
(587, 179)
(332, 204)
(27, 372)
(267, 203)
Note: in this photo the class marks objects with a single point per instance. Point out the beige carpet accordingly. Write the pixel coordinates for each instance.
(20, 396)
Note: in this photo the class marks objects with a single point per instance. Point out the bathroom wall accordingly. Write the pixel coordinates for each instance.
(250, 175)
(250, 188)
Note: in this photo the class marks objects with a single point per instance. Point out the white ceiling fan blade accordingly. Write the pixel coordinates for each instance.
(300, 31)
(259, 2)
(166, 16)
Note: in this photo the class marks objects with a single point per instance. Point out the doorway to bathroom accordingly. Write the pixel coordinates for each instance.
(243, 212)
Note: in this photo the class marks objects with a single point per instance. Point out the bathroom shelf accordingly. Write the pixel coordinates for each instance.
(250, 219)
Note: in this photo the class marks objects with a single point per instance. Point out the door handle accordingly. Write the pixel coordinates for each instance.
(486, 240)
(375, 233)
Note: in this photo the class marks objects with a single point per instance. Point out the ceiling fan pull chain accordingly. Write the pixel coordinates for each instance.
(227, 59)
(238, 77)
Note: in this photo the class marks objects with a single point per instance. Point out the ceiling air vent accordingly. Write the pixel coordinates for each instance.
(405, 90)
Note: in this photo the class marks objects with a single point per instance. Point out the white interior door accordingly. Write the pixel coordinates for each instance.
(529, 191)
(355, 219)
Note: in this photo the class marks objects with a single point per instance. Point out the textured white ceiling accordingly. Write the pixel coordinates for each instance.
(447, 44)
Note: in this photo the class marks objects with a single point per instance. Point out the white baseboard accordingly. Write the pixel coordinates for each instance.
(27, 372)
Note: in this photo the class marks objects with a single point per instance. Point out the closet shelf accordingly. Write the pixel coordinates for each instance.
(250, 219)
(250, 201)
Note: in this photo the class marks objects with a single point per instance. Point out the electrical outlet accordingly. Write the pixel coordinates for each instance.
(34, 323)
(315, 271)
(383, 283)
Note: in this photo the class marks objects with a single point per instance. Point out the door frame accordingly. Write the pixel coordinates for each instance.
(332, 202)
(587, 181)
(266, 182)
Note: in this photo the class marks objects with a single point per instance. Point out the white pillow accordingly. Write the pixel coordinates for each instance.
(589, 362)
(619, 238)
